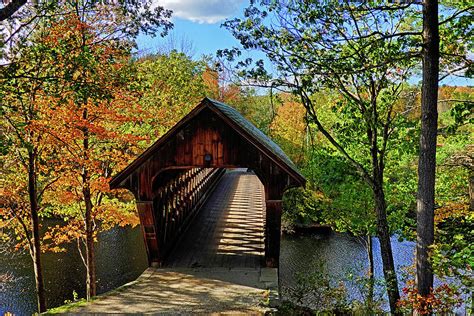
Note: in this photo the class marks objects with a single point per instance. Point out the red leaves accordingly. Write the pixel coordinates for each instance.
(442, 299)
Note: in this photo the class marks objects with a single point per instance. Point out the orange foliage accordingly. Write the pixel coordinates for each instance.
(87, 124)
(289, 128)
(450, 210)
(218, 90)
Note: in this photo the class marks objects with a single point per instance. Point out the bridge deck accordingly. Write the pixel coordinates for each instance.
(215, 268)
(228, 231)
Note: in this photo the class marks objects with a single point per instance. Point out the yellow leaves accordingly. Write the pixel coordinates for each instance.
(112, 214)
(451, 210)
(76, 75)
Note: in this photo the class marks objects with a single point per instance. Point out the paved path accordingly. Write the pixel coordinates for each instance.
(215, 268)
(188, 291)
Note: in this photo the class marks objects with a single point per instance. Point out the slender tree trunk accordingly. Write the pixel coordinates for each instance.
(90, 253)
(386, 248)
(35, 250)
(471, 190)
(89, 224)
(427, 161)
(370, 257)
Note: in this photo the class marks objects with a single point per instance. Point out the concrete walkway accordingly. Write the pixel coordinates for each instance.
(215, 268)
(189, 291)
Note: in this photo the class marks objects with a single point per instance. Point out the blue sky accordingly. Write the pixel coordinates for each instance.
(197, 23)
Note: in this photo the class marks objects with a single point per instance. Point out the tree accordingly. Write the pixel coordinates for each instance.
(171, 84)
(87, 117)
(26, 148)
(427, 160)
(361, 52)
(117, 24)
(454, 59)
(288, 128)
(23, 17)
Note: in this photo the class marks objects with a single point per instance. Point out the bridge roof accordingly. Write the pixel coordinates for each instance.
(238, 122)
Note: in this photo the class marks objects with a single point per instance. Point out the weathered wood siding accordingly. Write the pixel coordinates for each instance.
(169, 169)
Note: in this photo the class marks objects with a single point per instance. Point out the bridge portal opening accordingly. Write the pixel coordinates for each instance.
(228, 231)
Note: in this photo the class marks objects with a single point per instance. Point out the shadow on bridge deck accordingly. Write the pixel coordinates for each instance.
(228, 231)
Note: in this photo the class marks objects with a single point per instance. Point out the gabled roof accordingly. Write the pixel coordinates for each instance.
(253, 131)
(238, 122)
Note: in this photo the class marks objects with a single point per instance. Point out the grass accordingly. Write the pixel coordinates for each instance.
(68, 307)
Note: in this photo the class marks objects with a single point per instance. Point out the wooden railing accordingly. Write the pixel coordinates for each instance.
(177, 201)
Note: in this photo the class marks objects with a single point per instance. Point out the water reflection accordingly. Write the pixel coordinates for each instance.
(121, 258)
(342, 255)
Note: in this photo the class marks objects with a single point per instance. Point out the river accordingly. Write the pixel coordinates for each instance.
(121, 258)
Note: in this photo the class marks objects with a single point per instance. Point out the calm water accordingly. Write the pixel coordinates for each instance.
(338, 255)
(121, 258)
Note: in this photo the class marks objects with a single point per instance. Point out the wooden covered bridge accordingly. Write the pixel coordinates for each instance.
(209, 193)
(174, 177)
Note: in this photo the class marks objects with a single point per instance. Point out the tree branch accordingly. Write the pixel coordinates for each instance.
(452, 17)
(305, 100)
(11, 8)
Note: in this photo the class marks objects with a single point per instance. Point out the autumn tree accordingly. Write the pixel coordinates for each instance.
(26, 148)
(289, 128)
(20, 18)
(88, 118)
(116, 25)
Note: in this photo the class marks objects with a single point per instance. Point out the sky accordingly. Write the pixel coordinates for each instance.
(197, 31)
(196, 22)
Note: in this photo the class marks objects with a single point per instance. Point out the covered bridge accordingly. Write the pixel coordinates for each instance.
(173, 178)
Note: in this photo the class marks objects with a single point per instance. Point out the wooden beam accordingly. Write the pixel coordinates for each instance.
(273, 233)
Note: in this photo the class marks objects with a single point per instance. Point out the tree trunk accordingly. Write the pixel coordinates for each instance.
(427, 160)
(89, 224)
(370, 257)
(35, 247)
(386, 248)
(90, 254)
(471, 191)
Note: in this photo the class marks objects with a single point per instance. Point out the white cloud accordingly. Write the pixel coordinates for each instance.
(201, 11)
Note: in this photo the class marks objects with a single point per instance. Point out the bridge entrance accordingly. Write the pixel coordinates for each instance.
(174, 179)
(229, 230)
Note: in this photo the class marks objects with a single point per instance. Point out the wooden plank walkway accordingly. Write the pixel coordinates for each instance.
(214, 269)
(228, 231)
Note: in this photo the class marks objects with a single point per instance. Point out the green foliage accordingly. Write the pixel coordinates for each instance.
(171, 85)
(349, 204)
(303, 207)
(453, 252)
(258, 109)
